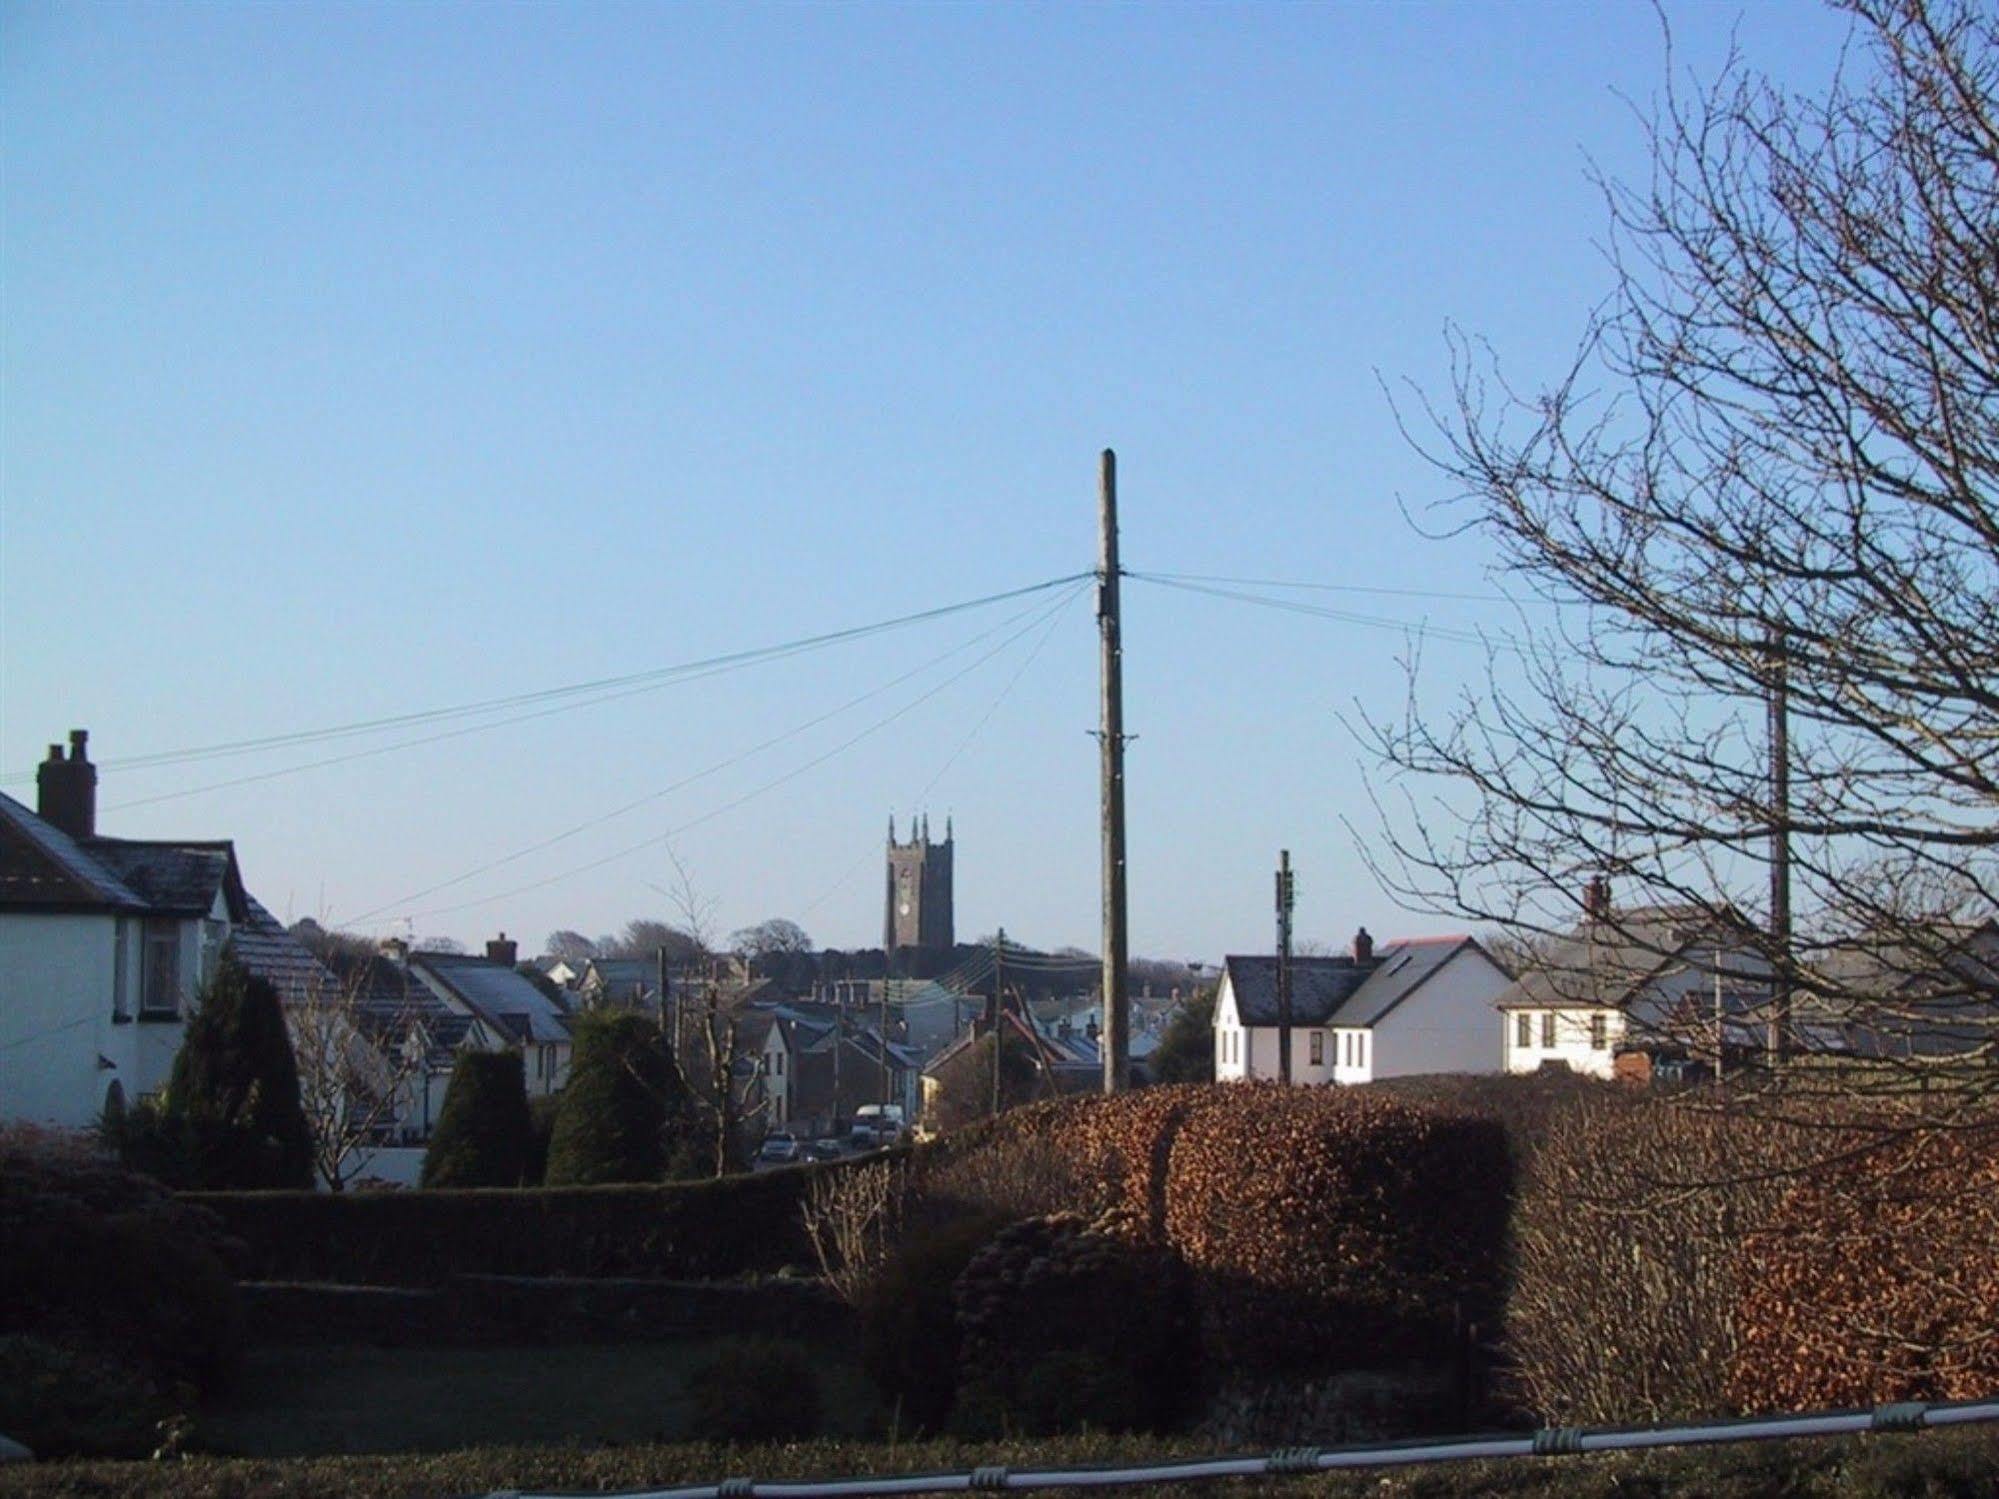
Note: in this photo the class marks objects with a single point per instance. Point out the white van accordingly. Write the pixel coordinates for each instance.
(877, 1124)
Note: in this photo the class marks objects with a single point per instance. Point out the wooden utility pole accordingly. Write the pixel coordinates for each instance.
(1284, 904)
(1779, 1033)
(999, 1006)
(1116, 1039)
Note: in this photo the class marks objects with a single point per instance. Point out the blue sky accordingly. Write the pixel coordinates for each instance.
(357, 360)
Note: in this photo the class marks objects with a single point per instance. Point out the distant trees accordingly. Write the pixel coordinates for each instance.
(229, 1116)
(774, 937)
(965, 1082)
(572, 947)
(484, 1137)
(622, 1109)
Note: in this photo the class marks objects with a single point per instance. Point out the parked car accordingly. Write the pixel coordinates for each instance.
(824, 1150)
(877, 1124)
(779, 1149)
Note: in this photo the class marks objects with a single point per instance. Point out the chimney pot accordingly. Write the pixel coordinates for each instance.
(66, 788)
(1363, 947)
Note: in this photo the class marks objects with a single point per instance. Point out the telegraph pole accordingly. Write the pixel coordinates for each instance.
(1779, 1034)
(1116, 1039)
(1284, 903)
(999, 1004)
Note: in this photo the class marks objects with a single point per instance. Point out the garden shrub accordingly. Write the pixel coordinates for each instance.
(754, 1390)
(1332, 1228)
(1668, 1193)
(102, 1260)
(229, 1116)
(909, 1327)
(1875, 1280)
(1066, 1324)
(619, 1106)
(69, 1402)
(483, 1136)
(541, 1130)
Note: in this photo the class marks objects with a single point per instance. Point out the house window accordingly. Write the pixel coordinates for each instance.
(160, 974)
(1318, 1048)
(1523, 1030)
(1360, 1047)
(121, 998)
(1548, 1029)
(779, 1059)
(1599, 1032)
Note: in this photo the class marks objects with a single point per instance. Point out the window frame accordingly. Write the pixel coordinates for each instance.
(1547, 1030)
(1318, 1048)
(159, 935)
(1523, 1030)
(1599, 1031)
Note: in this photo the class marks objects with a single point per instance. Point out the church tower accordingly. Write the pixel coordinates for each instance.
(918, 913)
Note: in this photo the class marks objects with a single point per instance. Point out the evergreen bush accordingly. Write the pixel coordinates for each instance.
(621, 1104)
(484, 1137)
(229, 1116)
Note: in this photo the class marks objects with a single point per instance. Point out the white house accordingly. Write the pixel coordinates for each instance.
(1651, 979)
(1420, 1005)
(105, 944)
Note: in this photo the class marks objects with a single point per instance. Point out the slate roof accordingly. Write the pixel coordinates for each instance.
(263, 946)
(1605, 964)
(501, 995)
(42, 866)
(1338, 991)
(178, 878)
(1319, 986)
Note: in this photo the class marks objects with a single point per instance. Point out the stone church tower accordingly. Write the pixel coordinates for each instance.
(918, 913)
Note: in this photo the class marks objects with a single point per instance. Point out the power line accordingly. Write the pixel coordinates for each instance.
(700, 775)
(654, 675)
(951, 759)
(874, 728)
(1343, 616)
(1406, 593)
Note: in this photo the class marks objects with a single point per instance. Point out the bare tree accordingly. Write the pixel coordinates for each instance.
(709, 1042)
(1767, 493)
(363, 1063)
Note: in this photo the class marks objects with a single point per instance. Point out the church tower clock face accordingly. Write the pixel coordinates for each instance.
(904, 882)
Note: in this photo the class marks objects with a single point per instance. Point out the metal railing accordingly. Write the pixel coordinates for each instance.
(1558, 1441)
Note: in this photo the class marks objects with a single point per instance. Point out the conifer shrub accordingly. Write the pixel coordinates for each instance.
(541, 1131)
(617, 1116)
(483, 1136)
(754, 1390)
(229, 1117)
(909, 1322)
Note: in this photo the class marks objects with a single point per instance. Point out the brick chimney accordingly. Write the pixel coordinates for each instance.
(503, 949)
(1363, 947)
(66, 788)
(1596, 898)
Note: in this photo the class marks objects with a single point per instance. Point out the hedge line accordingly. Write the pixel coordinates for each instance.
(705, 1230)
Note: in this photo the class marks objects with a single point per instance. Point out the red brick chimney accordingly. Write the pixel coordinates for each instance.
(503, 949)
(66, 789)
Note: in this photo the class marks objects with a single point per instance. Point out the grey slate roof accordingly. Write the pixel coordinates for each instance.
(40, 865)
(1336, 990)
(1319, 986)
(495, 992)
(1605, 964)
(183, 878)
(263, 946)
